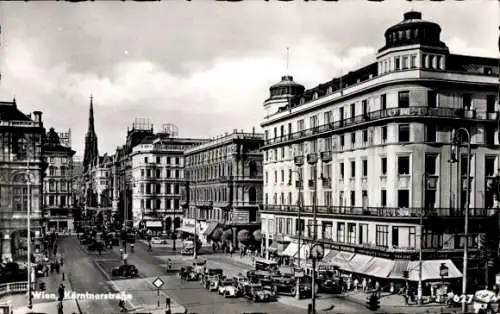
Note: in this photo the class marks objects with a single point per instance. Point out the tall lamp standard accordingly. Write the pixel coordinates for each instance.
(457, 142)
(195, 254)
(312, 159)
(28, 182)
(125, 215)
(299, 162)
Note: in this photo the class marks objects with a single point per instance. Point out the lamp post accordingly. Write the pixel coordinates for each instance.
(125, 215)
(28, 182)
(458, 142)
(312, 159)
(421, 238)
(299, 162)
(195, 254)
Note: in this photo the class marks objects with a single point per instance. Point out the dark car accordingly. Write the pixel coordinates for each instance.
(125, 271)
(211, 275)
(96, 246)
(257, 293)
(329, 283)
(256, 275)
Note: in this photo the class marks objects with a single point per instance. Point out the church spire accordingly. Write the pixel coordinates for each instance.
(91, 151)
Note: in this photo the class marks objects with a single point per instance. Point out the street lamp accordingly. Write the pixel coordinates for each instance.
(195, 254)
(421, 238)
(125, 215)
(458, 141)
(28, 182)
(312, 159)
(299, 162)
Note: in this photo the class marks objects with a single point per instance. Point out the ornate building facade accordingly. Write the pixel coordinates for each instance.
(370, 151)
(21, 173)
(157, 178)
(224, 185)
(58, 184)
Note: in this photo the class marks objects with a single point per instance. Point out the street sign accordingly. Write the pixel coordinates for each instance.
(158, 283)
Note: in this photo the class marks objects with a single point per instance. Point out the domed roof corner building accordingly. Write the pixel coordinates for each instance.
(372, 148)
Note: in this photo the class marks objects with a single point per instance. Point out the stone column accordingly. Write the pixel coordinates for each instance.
(6, 246)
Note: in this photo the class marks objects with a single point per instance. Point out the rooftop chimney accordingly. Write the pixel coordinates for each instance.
(253, 130)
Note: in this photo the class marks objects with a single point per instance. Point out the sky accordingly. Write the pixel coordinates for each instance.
(204, 66)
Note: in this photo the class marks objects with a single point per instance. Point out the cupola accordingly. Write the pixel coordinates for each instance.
(413, 30)
(286, 88)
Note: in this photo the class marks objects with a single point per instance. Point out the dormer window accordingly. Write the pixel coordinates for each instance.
(302, 100)
(329, 90)
(315, 95)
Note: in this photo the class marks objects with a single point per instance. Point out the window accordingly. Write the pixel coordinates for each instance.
(327, 117)
(326, 229)
(430, 133)
(383, 162)
(353, 198)
(282, 176)
(275, 132)
(404, 99)
(383, 198)
(142, 173)
(158, 160)
(289, 129)
(353, 169)
(489, 166)
(341, 232)
(490, 103)
(353, 110)
(353, 138)
(145, 160)
(412, 237)
(300, 125)
(404, 133)
(365, 168)
(413, 61)
(463, 165)
(328, 198)
(467, 101)
(383, 102)
(430, 164)
(351, 233)
(266, 134)
(177, 161)
(341, 169)
(405, 62)
(490, 137)
(363, 234)
(382, 235)
(282, 130)
(403, 165)
(431, 99)
(395, 236)
(342, 140)
(397, 63)
(275, 176)
(384, 134)
(158, 173)
(365, 136)
(403, 198)
(313, 121)
(364, 105)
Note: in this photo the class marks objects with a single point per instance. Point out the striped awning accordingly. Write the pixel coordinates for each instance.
(359, 262)
(399, 267)
(342, 259)
(379, 267)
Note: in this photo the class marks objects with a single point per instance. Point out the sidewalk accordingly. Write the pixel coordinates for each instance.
(69, 306)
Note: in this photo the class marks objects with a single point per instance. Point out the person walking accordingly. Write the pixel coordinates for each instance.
(364, 284)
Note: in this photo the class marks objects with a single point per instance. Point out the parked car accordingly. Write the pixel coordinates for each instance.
(256, 275)
(127, 270)
(329, 282)
(241, 282)
(257, 293)
(187, 273)
(158, 240)
(227, 288)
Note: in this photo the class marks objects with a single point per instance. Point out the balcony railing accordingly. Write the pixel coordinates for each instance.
(390, 113)
(381, 211)
(14, 288)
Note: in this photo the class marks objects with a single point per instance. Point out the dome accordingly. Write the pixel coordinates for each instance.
(52, 137)
(413, 30)
(286, 87)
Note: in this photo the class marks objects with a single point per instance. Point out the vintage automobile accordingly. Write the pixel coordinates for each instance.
(126, 270)
(257, 293)
(241, 282)
(329, 282)
(256, 275)
(188, 273)
(211, 277)
(158, 240)
(284, 285)
(266, 265)
(227, 288)
(485, 302)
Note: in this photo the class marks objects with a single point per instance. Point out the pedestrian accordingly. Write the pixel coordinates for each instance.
(391, 287)
(231, 252)
(99, 250)
(60, 308)
(364, 285)
(356, 284)
(57, 268)
(214, 247)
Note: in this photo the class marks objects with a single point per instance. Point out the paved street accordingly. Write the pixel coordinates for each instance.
(191, 294)
(85, 277)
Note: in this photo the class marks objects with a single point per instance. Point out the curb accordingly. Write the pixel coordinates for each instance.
(112, 284)
(76, 301)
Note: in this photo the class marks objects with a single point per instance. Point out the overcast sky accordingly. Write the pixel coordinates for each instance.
(204, 66)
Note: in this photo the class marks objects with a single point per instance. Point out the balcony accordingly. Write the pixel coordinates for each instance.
(379, 211)
(385, 114)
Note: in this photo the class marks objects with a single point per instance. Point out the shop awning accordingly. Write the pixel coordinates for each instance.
(291, 249)
(153, 224)
(273, 247)
(399, 267)
(430, 270)
(359, 262)
(331, 254)
(379, 267)
(186, 229)
(210, 229)
(342, 259)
